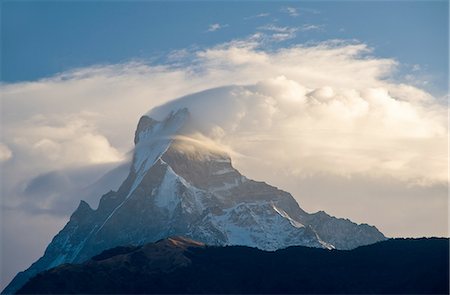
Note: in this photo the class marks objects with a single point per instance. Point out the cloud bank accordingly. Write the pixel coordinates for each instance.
(304, 118)
(323, 130)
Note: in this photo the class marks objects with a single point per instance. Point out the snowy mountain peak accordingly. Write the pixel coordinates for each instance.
(148, 127)
(145, 123)
(177, 186)
(152, 138)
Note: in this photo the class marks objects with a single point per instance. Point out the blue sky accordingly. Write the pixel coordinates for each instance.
(42, 38)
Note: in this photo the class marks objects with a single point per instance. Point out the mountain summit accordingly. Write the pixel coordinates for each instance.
(178, 187)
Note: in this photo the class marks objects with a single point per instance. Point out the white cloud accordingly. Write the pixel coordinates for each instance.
(292, 11)
(309, 10)
(335, 63)
(324, 130)
(339, 80)
(216, 27)
(320, 111)
(416, 68)
(278, 37)
(279, 29)
(260, 15)
(310, 27)
(345, 88)
(5, 152)
(63, 140)
(296, 11)
(279, 33)
(177, 55)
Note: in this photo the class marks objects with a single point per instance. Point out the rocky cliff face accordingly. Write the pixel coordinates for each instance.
(181, 188)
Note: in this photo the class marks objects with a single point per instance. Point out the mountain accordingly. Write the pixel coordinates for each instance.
(181, 187)
(179, 266)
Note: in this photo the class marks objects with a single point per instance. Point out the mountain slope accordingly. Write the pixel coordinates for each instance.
(181, 266)
(180, 187)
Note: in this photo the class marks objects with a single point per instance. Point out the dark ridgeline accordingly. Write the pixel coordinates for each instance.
(178, 265)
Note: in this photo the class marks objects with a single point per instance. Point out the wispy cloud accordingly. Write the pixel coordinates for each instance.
(416, 68)
(292, 11)
(5, 152)
(310, 27)
(275, 28)
(216, 27)
(260, 15)
(82, 121)
(308, 10)
(295, 11)
(278, 37)
(178, 54)
(280, 33)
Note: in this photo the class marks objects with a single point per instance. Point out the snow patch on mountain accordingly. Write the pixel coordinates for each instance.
(167, 196)
(285, 215)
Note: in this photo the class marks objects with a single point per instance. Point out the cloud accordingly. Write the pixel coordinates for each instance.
(309, 27)
(278, 29)
(327, 113)
(295, 11)
(216, 27)
(324, 130)
(73, 142)
(309, 10)
(292, 11)
(260, 15)
(416, 68)
(5, 152)
(62, 140)
(279, 33)
(177, 55)
(87, 116)
(57, 193)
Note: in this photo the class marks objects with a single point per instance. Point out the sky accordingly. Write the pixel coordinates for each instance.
(343, 104)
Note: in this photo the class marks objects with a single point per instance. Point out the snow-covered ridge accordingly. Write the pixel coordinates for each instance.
(153, 139)
(179, 187)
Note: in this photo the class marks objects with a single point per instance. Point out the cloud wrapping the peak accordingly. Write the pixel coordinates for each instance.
(322, 130)
(324, 121)
(88, 115)
(330, 100)
(288, 115)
